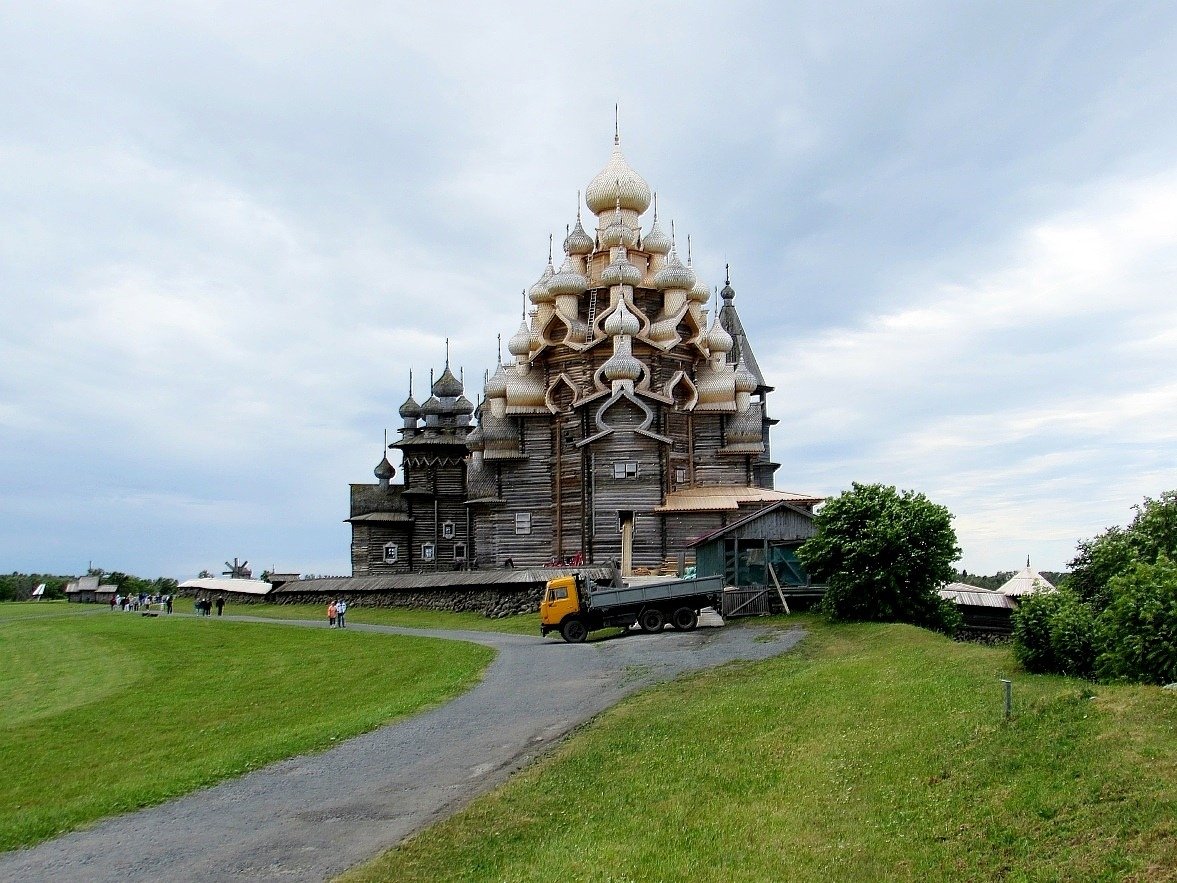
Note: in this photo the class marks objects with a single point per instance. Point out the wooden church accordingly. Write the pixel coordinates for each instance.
(626, 423)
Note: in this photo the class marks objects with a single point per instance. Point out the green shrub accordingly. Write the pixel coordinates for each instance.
(1139, 628)
(1055, 632)
(883, 555)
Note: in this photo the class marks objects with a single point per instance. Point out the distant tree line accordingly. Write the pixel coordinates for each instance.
(1115, 616)
(999, 579)
(19, 586)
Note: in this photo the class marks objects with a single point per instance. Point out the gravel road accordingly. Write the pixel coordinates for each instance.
(311, 817)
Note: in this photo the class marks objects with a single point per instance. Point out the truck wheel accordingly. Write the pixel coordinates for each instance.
(574, 631)
(684, 619)
(651, 620)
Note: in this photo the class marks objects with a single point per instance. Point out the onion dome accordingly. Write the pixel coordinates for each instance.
(622, 321)
(496, 429)
(617, 181)
(727, 292)
(622, 366)
(463, 406)
(410, 410)
(578, 241)
(447, 386)
(656, 242)
(432, 407)
(675, 275)
(745, 380)
(718, 340)
(618, 232)
(496, 386)
(621, 272)
(384, 470)
(538, 293)
(474, 439)
(568, 280)
(520, 342)
(700, 293)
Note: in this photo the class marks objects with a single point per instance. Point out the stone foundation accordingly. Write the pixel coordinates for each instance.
(489, 602)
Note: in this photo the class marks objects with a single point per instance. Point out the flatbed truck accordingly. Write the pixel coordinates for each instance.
(576, 605)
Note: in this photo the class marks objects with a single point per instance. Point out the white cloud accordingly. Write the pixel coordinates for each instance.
(980, 394)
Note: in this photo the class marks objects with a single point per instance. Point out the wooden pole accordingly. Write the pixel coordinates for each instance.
(776, 582)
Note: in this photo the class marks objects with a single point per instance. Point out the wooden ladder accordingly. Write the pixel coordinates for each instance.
(592, 316)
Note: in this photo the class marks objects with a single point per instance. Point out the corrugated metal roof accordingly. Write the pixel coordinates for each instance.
(218, 584)
(708, 498)
(977, 597)
(1026, 582)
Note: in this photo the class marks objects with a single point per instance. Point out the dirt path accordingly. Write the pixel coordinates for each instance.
(311, 817)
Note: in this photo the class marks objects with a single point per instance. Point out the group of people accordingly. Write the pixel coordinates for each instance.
(142, 601)
(337, 613)
(204, 606)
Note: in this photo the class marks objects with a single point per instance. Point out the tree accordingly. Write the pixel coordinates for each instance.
(1153, 531)
(883, 555)
(1055, 632)
(1139, 627)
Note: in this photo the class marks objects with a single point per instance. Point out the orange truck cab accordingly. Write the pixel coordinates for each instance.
(575, 605)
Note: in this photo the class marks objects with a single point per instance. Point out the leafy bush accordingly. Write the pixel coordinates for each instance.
(1055, 632)
(1153, 532)
(883, 556)
(1139, 627)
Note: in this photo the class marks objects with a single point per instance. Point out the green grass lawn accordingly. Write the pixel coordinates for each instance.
(105, 712)
(525, 624)
(873, 752)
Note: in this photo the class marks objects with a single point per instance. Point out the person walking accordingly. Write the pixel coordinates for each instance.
(331, 612)
(167, 599)
(220, 604)
(340, 611)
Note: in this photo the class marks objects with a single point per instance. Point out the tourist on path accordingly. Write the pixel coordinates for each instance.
(220, 605)
(340, 610)
(331, 612)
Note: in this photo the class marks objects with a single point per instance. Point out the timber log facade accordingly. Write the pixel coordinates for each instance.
(626, 422)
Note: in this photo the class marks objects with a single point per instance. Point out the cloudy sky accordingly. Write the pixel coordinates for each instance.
(230, 230)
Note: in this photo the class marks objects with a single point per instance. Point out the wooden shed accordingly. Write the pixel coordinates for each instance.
(757, 557)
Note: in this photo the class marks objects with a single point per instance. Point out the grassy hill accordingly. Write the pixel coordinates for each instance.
(874, 752)
(104, 712)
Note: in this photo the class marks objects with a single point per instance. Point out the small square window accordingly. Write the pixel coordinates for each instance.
(680, 474)
(625, 469)
(522, 522)
(447, 530)
(390, 553)
(459, 551)
(428, 551)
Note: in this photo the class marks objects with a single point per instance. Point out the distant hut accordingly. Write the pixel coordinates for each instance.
(1026, 582)
(984, 611)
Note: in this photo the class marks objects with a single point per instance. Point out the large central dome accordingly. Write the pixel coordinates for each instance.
(617, 179)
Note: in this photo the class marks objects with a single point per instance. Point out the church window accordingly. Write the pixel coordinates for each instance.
(428, 551)
(459, 551)
(522, 522)
(680, 474)
(390, 553)
(447, 530)
(625, 469)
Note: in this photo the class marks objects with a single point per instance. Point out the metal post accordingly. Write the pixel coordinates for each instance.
(1009, 697)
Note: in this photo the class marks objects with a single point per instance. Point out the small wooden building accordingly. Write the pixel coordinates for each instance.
(89, 590)
(757, 557)
(984, 611)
